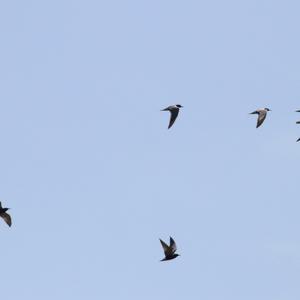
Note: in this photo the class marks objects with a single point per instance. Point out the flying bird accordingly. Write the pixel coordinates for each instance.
(174, 110)
(169, 250)
(4, 215)
(262, 113)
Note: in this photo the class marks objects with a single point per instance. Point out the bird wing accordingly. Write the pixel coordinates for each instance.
(165, 247)
(261, 117)
(173, 245)
(298, 140)
(6, 217)
(174, 113)
(166, 109)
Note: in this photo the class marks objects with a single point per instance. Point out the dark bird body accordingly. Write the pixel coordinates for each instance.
(4, 215)
(174, 110)
(262, 114)
(169, 250)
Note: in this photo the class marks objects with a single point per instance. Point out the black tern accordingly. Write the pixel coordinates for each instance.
(169, 250)
(4, 215)
(174, 110)
(262, 113)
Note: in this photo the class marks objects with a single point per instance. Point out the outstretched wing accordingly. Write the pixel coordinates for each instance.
(173, 245)
(174, 113)
(165, 247)
(261, 117)
(6, 217)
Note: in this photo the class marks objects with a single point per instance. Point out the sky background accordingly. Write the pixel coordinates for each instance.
(94, 178)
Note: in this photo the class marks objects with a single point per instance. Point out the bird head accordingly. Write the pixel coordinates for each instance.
(267, 109)
(175, 255)
(179, 106)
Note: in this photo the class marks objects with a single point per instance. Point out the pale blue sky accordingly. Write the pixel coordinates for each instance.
(94, 178)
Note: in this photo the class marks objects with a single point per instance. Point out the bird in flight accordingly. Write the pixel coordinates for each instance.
(169, 250)
(262, 113)
(4, 215)
(174, 110)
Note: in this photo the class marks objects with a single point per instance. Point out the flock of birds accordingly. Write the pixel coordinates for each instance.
(169, 250)
(174, 110)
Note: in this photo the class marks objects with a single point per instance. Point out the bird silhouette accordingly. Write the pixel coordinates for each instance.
(174, 110)
(262, 114)
(169, 250)
(4, 215)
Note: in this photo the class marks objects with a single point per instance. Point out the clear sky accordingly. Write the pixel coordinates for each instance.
(94, 178)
